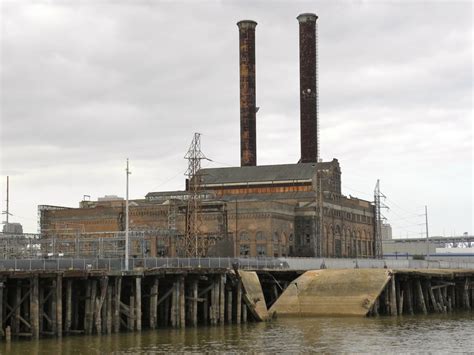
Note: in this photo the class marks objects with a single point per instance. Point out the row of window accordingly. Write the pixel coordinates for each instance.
(349, 216)
(261, 250)
(260, 236)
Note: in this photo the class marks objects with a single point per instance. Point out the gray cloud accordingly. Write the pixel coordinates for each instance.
(84, 84)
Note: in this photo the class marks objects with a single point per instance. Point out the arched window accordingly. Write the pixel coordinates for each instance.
(260, 236)
(244, 236)
(276, 237)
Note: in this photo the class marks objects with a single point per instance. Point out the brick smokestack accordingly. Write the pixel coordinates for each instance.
(248, 110)
(308, 89)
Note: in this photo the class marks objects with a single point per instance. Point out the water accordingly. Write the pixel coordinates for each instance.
(432, 333)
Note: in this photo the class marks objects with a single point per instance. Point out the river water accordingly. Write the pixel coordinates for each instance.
(432, 333)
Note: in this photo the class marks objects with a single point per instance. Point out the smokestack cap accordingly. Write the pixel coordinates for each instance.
(247, 24)
(306, 17)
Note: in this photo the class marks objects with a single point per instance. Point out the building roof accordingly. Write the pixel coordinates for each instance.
(263, 173)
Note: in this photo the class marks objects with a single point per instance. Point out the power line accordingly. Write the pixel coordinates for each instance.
(400, 207)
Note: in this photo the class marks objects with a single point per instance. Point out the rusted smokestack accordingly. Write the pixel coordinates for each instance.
(308, 89)
(248, 129)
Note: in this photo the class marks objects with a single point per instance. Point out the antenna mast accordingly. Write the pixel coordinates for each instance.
(194, 243)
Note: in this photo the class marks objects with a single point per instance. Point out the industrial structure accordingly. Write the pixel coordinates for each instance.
(273, 210)
(454, 248)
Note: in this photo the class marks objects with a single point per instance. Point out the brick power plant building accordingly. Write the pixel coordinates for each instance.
(251, 210)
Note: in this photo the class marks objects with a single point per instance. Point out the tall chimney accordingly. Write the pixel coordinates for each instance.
(308, 89)
(248, 129)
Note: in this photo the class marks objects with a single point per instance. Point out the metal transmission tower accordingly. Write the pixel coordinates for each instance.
(7, 210)
(378, 196)
(194, 243)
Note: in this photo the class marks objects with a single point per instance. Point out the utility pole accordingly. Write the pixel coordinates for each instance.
(427, 235)
(127, 247)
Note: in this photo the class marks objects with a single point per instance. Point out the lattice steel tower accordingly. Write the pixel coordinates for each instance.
(378, 196)
(194, 243)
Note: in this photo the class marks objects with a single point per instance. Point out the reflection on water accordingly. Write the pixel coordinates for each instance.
(433, 333)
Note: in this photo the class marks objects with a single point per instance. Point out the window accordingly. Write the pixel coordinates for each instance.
(276, 237)
(261, 250)
(244, 250)
(260, 237)
(244, 236)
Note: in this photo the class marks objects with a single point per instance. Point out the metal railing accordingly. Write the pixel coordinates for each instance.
(118, 264)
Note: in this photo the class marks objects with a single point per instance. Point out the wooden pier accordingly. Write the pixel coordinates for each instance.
(411, 292)
(36, 304)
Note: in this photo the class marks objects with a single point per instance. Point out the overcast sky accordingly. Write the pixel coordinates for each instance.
(86, 84)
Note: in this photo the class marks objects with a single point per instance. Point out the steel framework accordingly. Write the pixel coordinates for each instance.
(378, 196)
(194, 243)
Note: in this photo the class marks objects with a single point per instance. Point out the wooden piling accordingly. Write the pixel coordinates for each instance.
(182, 303)
(92, 305)
(466, 298)
(153, 303)
(442, 301)
(399, 297)
(244, 313)
(375, 308)
(52, 308)
(34, 308)
(17, 305)
(68, 321)
(59, 305)
(166, 310)
(409, 296)
(117, 301)
(194, 302)
(393, 297)
(205, 309)
(174, 305)
(222, 299)
(420, 298)
(99, 302)
(138, 303)
(41, 306)
(238, 302)
(432, 297)
(109, 310)
(229, 306)
(131, 312)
